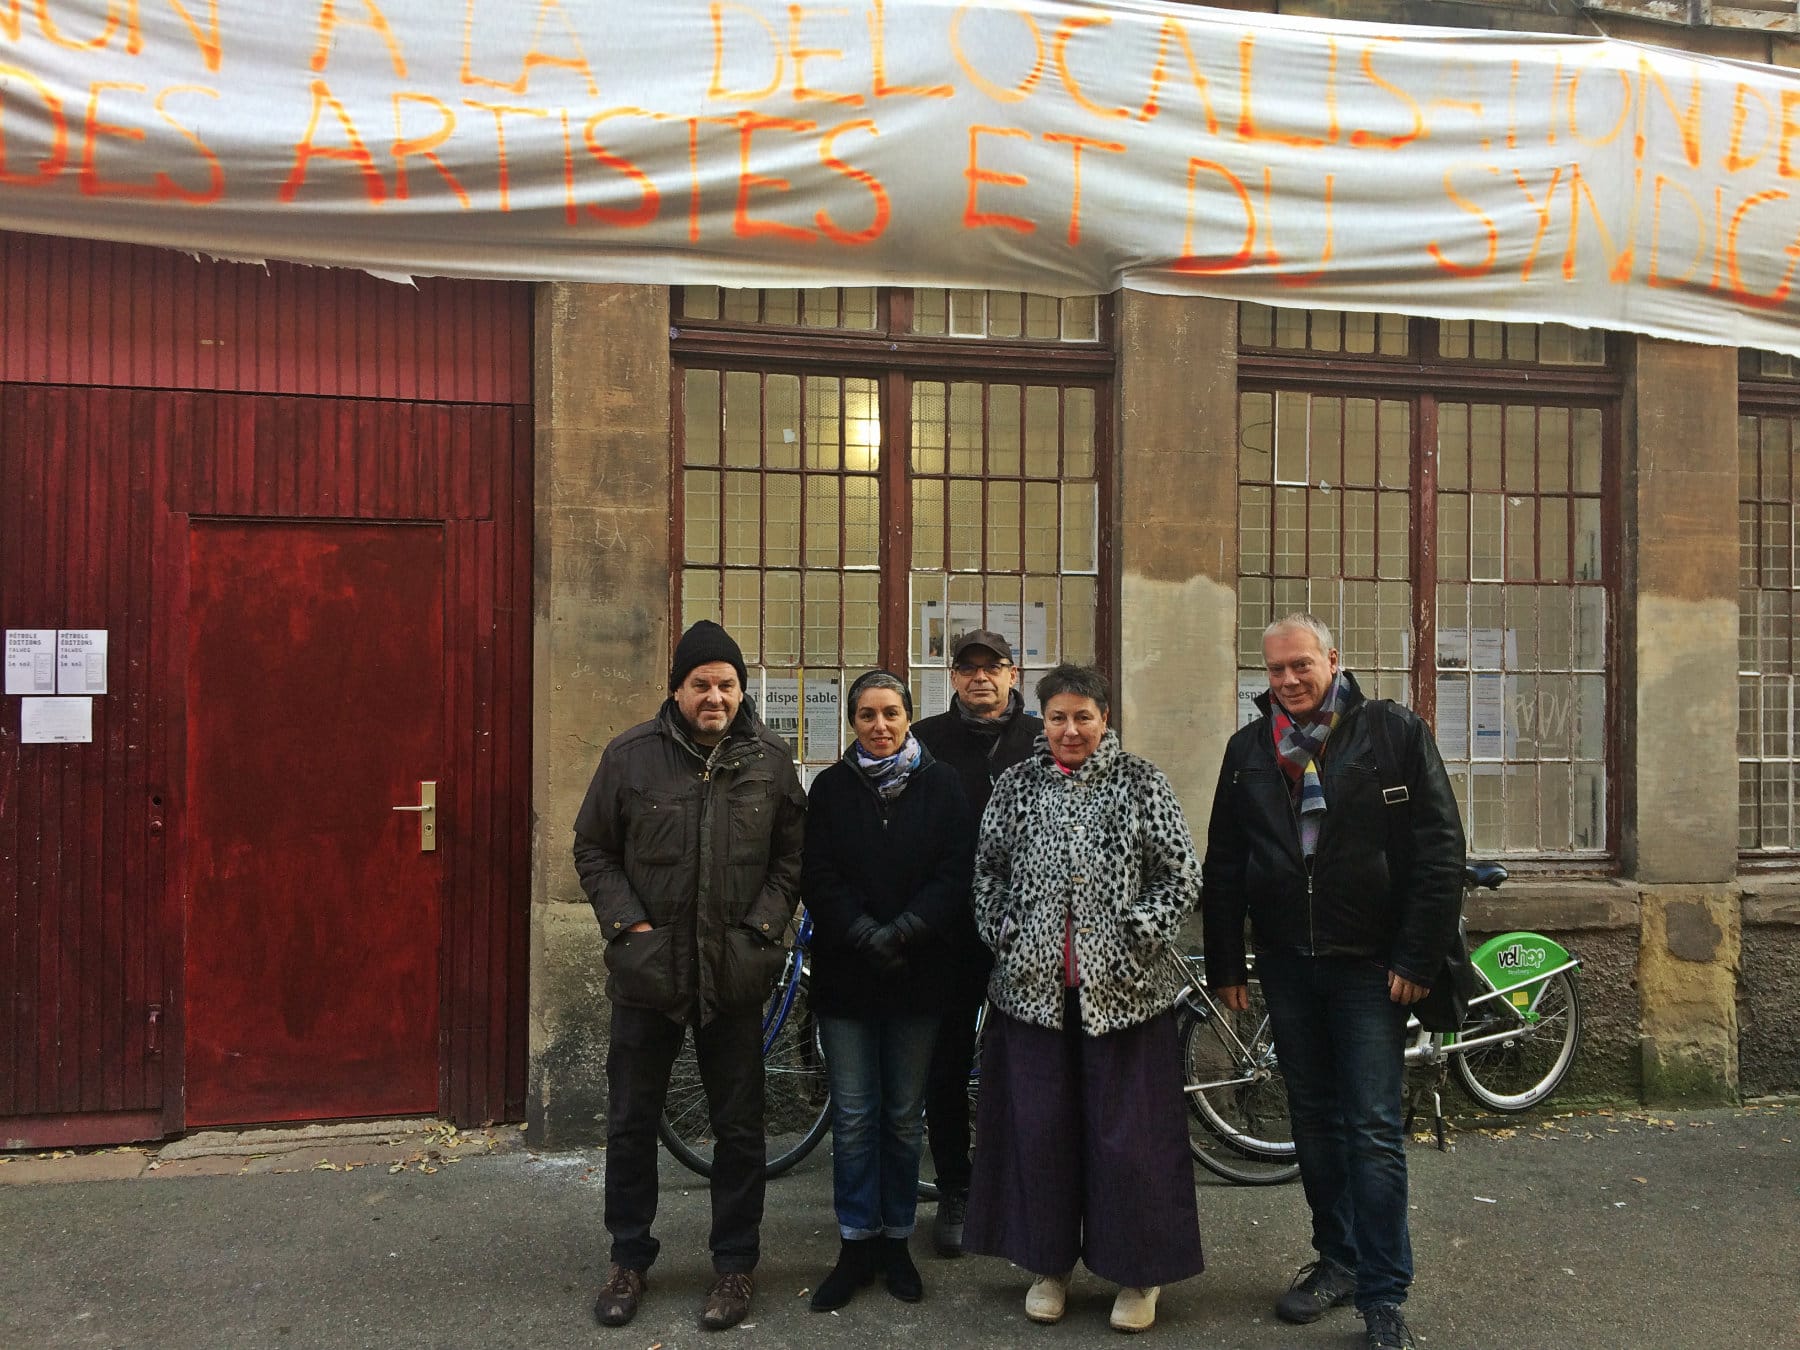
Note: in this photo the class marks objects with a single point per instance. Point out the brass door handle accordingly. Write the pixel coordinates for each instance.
(427, 811)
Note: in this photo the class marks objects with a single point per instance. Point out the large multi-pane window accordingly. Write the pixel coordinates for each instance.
(1768, 747)
(1365, 489)
(860, 504)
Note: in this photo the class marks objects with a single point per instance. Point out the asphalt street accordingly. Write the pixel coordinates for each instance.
(1596, 1230)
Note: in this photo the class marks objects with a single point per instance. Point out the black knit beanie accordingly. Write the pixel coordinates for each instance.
(702, 643)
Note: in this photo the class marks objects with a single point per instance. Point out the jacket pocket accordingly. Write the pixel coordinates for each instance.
(658, 828)
(640, 969)
(748, 968)
(751, 809)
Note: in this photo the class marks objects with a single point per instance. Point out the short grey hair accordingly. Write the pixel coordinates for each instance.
(1081, 681)
(876, 679)
(1306, 623)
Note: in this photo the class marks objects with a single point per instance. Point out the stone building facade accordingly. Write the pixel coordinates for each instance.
(1633, 688)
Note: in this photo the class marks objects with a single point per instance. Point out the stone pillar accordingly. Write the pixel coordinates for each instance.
(1677, 774)
(601, 644)
(1177, 537)
(1687, 993)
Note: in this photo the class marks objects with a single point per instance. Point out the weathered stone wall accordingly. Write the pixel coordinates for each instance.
(1769, 991)
(1598, 922)
(601, 652)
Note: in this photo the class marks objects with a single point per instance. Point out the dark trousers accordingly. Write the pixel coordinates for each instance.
(947, 1091)
(1342, 1045)
(1084, 1152)
(643, 1049)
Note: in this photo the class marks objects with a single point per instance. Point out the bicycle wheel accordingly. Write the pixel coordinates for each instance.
(1524, 1069)
(796, 1096)
(1237, 1103)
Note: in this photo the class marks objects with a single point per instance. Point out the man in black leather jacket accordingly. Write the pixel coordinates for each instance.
(985, 732)
(1353, 912)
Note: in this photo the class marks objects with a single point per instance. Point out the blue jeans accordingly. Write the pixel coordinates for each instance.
(878, 1071)
(1342, 1043)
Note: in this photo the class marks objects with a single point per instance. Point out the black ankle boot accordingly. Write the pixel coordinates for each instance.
(903, 1280)
(856, 1266)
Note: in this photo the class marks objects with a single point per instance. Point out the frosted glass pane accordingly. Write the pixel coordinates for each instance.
(743, 519)
(965, 429)
(781, 520)
(1003, 542)
(862, 522)
(781, 416)
(1256, 439)
(700, 416)
(1043, 431)
(1078, 433)
(822, 520)
(1081, 527)
(928, 420)
(745, 611)
(1042, 528)
(965, 526)
(928, 522)
(823, 611)
(743, 418)
(700, 516)
(1005, 429)
(824, 424)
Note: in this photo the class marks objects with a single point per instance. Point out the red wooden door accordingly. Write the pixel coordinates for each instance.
(315, 698)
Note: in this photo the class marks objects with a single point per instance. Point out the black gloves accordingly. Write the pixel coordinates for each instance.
(911, 928)
(881, 945)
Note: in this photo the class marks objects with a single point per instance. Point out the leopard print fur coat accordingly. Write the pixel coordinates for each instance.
(1107, 843)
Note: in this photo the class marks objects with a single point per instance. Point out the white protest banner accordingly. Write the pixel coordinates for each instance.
(1034, 145)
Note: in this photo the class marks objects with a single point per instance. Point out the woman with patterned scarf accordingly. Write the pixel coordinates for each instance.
(890, 850)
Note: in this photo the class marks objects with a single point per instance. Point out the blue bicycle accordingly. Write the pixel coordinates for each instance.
(797, 1097)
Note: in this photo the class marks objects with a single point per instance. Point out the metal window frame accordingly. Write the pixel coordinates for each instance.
(1765, 397)
(896, 359)
(1426, 381)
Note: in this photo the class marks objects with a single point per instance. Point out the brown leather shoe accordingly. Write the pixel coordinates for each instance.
(618, 1301)
(729, 1302)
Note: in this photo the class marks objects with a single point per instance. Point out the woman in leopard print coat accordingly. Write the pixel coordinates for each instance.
(1084, 869)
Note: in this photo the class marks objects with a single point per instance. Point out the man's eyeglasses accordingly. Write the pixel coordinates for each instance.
(971, 668)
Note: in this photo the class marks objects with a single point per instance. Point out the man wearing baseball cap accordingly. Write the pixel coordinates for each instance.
(688, 846)
(985, 732)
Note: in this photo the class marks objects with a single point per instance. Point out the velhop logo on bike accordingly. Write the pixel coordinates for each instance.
(1520, 957)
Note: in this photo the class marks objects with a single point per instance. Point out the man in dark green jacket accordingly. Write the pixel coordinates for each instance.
(688, 846)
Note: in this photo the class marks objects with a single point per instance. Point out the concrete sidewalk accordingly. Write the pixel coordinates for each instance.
(1597, 1231)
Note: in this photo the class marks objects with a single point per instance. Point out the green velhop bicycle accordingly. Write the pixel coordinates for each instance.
(1516, 1044)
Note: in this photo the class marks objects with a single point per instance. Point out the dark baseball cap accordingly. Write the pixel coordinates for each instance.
(980, 637)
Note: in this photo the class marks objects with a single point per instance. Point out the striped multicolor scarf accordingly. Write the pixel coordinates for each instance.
(1297, 750)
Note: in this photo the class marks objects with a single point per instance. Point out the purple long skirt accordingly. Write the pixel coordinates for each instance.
(1081, 1152)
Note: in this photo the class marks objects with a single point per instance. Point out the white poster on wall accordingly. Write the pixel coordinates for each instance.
(1250, 684)
(31, 660)
(1037, 650)
(1453, 718)
(931, 641)
(823, 719)
(780, 709)
(81, 661)
(931, 692)
(1487, 709)
(56, 721)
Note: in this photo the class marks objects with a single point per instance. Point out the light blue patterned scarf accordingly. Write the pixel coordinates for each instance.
(889, 775)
